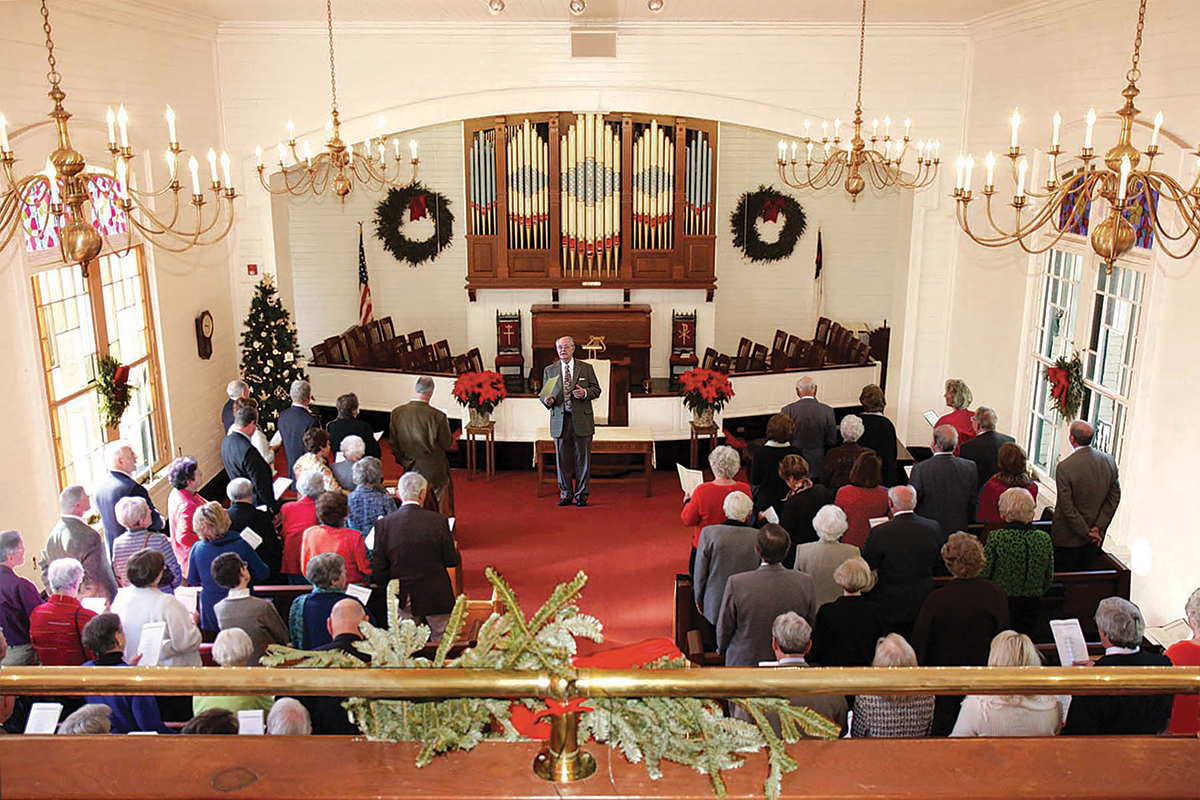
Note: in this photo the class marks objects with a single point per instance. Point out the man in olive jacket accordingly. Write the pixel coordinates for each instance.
(569, 399)
(420, 437)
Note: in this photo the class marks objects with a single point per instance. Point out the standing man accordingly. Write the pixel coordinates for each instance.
(816, 428)
(242, 460)
(295, 421)
(236, 391)
(1088, 495)
(117, 485)
(74, 538)
(947, 486)
(905, 552)
(571, 422)
(419, 437)
(984, 449)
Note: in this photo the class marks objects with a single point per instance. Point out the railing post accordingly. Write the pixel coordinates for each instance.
(563, 761)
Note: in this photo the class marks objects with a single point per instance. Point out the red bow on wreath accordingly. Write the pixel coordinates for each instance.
(416, 207)
(1059, 383)
(121, 381)
(771, 209)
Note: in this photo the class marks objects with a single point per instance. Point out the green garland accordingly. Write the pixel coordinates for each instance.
(390, 216)
(112, 384)
(687, 730)
(744, 221)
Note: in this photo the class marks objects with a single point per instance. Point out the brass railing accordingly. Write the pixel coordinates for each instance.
(564, 760)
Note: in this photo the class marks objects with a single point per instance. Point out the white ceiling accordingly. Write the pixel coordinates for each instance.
(465, 11)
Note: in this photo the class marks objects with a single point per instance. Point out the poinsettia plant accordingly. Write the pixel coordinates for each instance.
(481, 391)
(705, 388)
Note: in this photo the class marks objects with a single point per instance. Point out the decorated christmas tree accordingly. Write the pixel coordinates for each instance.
(270, 360)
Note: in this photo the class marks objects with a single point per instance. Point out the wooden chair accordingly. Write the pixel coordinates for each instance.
(320, 355)
(683, 345)
(723, 363)
(510, 361)
(780, 341)
(742, 362)
(336, 352)
(442, 358)
(822, 334)
(792, 349)
(758, 358)
(359, 346)
(462, 364)
(387, 330)
(814, 358)
(475, 360)
(710, 359)
(417, 339)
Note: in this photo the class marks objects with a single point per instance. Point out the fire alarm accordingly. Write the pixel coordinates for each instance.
(252, 270)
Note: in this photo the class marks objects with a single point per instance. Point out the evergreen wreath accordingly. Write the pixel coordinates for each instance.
(415, 201)
(112, 383)
(766, 203)
(1066, 385)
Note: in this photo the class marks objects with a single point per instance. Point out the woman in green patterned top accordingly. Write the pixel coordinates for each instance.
(1020, 558)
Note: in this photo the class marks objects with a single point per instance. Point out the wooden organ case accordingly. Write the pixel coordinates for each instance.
(562, 200)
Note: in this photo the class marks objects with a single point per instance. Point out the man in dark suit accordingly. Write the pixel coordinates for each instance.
(294, 422)
(420, 436)
(74, 538)
(117, 485)
(754, 599)
(329, 718)
(236, 391)
(904, 552)
(243, 514)
(984, 449)
(816, 428)
(1088, 495)
(243, 461)
(348, 424)
(572, 425)
(947, 486)
(414, 545)
(1121, 628)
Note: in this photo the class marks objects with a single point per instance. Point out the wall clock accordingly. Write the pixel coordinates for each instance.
(204, 332)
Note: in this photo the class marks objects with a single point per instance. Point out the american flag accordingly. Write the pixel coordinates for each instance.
(365, 310)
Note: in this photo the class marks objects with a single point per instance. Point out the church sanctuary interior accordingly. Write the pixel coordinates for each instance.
(969, 204)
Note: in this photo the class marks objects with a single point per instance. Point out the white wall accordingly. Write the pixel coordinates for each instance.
(1026, 62)
(149, 60)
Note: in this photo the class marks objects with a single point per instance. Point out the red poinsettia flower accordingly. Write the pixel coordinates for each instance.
(481, 391)
(705, 388)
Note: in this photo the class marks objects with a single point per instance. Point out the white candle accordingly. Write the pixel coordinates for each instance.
(1015, 120)
(1124, 179)
(887, 146)
(990, 163)
(837, 128)
(225, 169)
(1022, 168)
(194, 168)
(969, 165)
(382, 152)
(3, 134)
(396, 147)
(874, 129)
(1091, 122)
(937, 148)
(170, 156)
(887, 126)
(212, 163)
(258, 154)
(793, 151)
(122, 171)
(291, 129)
(367, 148)
(1158, 118)
(350, 151)
(111, 118)
(806, 127)
(959, 165)
(782, 149)
(824, 129)
(808, 155)
(123, 124)
(170, 125)
(920, 151)
(282, 154)
(412, 148)
(52, 176)
(907, 126)
(1057, 125)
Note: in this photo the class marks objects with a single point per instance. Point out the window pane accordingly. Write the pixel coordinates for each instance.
(1108, 416)
(65, 326)
(1114, 329)
(138, 423)
(124, 312)
(1059, 301)
(82, 447)
(1043, 436)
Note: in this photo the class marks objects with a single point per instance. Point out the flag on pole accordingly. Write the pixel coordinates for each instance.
(819, 290)
(366, 312)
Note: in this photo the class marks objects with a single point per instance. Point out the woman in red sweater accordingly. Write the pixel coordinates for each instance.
(958, 397)
(1185, 715)
(862, 498)
(706, 506)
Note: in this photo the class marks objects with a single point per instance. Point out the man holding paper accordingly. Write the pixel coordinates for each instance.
(568, 389)
(242, 460)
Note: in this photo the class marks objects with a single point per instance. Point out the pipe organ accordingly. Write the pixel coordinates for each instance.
(562, 199)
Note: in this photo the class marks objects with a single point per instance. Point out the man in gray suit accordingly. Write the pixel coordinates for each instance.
(947, 486)
(984, 449)
(754, 599)
(1088, 494)
(724, 550)
(816, 428)
(74, 538)
(571, 423)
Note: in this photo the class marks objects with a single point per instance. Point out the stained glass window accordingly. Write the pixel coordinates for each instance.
(1143, 226)
(1075, 212)
(42, 234)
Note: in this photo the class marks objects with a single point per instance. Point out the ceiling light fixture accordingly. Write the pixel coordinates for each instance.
(71, 186)
(496, 6)
(855, 166)
(655, 5)
(1133, 196)
(338, 166)
(577, 6)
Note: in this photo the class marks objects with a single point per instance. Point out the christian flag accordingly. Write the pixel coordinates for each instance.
(365, 311)
(819, 289)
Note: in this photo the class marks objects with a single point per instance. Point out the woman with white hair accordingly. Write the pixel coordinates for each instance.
(1020, 558)
(352, 449)
(1185, 715)
(56, 626)
(232, 648)
(369, 501)
(296, 517)
(216, 537)
(902, 716)
(1010, 714)
(958, 397)
(135, 515)
(185, 477)
(819, 559)
(835, 472)
(706, 505)
(847, 630)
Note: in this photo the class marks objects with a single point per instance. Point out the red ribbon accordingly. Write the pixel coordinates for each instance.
(771, 209)
(416, 207)
(121, 376)
(1059, 383)
(556, 709)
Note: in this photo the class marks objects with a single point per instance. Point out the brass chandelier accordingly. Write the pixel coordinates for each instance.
(338, 167)
(68, 177)
(853, 167)
(1132, 195)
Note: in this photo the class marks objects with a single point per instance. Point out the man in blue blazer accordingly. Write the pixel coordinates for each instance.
(294, 422)
(571, 422)
(118, 483)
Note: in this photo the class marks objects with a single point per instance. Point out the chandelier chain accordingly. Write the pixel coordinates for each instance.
(1135, 73)
(332, 72)
(52, 75)
(862, 40)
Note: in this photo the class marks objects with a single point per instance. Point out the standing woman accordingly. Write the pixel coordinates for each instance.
(1012, 473)
(863, 499)
(804, 499)
(184, 477)
(1020, 558)
(768, 488)
(958, 397)
(706, 506)
(1011, 714)
(879, 434)
(1185, 715)
(212, 524)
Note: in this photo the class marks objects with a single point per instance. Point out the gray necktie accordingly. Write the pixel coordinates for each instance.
(567, 386)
